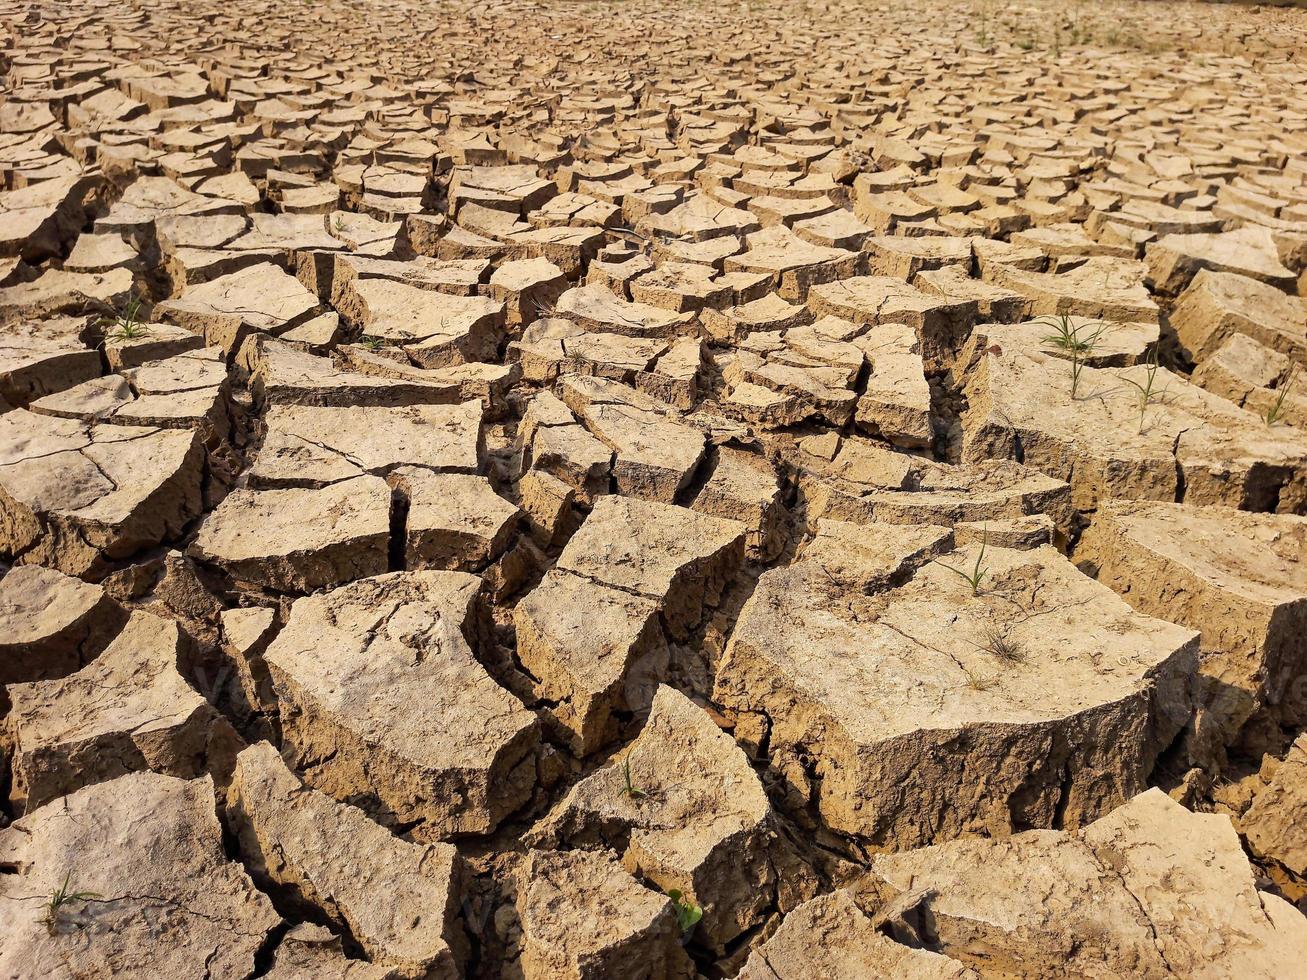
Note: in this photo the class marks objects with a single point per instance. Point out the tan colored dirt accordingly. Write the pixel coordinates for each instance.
(647, 490)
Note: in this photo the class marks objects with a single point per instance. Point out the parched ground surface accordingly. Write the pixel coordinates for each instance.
(643, 490)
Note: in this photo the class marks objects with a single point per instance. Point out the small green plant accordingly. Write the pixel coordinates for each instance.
(1147, 388)
(687, 913)
(1277, 409)
(1078, 348)
(978, 571)
(338, 223)
(371, 343)
(629, 789)
(62, 896)
(130, 331)
(126, 325)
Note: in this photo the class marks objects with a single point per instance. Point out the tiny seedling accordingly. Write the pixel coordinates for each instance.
(978, 571)
(629, 789)
(1147, 388)
(338, 223)
(1274, 413)
(687, 913)
(127, 325)
(371, 343)
(62, 896)
(1077, 347)
(978, 682)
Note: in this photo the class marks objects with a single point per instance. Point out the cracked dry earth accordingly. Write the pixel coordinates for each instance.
(627, 490)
